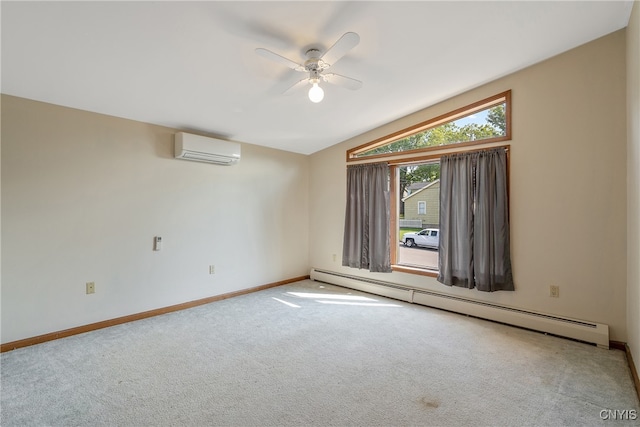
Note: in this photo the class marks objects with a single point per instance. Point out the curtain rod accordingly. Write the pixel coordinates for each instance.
(419, 159)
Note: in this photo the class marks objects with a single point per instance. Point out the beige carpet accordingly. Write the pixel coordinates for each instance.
(310, 354)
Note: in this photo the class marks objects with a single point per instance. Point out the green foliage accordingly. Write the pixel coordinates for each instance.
(427, 172)
(449, 133)
(496, 118)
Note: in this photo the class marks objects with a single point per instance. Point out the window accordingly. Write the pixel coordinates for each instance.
(422, 251)
(415, 174)
(485, 121)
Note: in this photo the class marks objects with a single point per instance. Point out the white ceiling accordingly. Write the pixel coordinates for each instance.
(192, 65)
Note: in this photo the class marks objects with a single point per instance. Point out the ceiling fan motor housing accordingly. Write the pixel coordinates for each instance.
(313, 62)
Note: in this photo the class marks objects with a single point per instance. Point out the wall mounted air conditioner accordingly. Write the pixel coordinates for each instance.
(209, 150)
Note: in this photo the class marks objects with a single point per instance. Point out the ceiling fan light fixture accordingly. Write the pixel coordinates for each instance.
(317, 63)
(316, 94)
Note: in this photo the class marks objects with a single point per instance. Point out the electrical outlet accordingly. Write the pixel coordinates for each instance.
(334, 257)
(91, 288)
(212, 269)
(554, 291)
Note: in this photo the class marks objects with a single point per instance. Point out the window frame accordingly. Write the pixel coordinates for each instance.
(431, 154)
(492, 101)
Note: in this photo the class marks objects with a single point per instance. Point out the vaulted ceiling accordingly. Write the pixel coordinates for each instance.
(193, 65)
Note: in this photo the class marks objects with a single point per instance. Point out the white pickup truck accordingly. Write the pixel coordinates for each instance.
(428, 238)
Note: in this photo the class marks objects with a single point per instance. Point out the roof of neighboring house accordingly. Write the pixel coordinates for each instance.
(424, 187)
(417, 185)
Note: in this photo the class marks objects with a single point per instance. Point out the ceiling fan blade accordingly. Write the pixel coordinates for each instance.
(344, 44)
(297, 85)
(346, 82)
(279, 59)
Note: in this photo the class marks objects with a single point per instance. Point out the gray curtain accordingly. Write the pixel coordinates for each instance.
(474, 221)
(455, 260)
(366, 227)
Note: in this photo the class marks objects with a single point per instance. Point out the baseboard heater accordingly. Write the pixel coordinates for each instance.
(595, 333)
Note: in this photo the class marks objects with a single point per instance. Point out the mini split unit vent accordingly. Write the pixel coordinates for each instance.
(208, 150)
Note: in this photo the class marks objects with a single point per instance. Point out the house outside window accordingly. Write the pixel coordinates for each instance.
(415, 205)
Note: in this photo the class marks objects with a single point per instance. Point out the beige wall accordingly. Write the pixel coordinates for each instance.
(83, 196)
(568, 187)
(633, 183)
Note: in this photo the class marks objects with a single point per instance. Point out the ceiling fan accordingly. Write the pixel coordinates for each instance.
(317, 63)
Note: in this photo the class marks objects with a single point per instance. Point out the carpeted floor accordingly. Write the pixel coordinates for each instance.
(311, 354)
